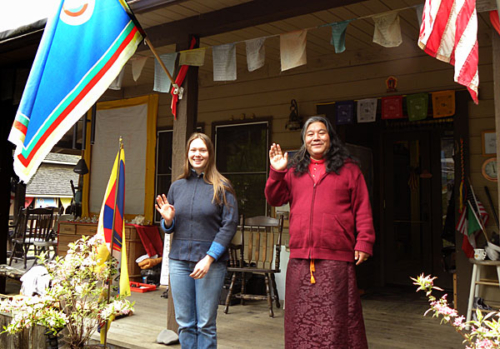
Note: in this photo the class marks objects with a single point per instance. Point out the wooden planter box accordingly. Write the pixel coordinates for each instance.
(21, 340)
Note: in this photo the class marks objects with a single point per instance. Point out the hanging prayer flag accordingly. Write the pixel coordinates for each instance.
(392, 107)
(293, 49)
(112, 216)
(449, 33)
(387, 31)
(81, 52)
(417, 105)
(367, 110)
(344, 112)
(224, 61)
(256, 53)
(194, 57)
(137, 66)
(338, 35)
(443, 104)
(162, 82)
(117, 83)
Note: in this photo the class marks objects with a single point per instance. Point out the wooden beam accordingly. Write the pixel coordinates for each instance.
(8, 112)
(486, 5)
(237, 17)
(142, 6)
(495, 40)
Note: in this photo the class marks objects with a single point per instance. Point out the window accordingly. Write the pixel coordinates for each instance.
(241, 155)
(163, 165)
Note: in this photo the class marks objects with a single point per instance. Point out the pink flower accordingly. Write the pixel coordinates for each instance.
(485, 344)
(459, 322)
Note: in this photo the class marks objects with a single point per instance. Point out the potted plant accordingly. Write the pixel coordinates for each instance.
(484, 333)
(76, 300)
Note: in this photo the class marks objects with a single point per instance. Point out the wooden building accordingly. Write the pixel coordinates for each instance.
(412, 167)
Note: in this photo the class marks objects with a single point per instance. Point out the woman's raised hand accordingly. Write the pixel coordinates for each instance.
(166, 210)
(278, 160)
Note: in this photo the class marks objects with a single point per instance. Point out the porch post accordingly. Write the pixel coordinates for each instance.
(495, 38)
(8, 112)
(184, 126)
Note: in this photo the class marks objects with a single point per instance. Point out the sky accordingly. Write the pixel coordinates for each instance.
(16, 13)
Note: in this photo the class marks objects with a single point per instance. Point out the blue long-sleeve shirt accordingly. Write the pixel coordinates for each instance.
(201, 227)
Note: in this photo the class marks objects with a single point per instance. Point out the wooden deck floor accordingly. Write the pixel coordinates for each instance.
(393, 320)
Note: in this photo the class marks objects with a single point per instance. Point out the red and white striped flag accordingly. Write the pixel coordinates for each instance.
(449, 33)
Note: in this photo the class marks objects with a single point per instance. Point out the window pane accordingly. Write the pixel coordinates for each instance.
(242, 148)
(164, 153)
(249, 193)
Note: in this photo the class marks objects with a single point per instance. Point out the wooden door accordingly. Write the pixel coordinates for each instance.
(413, 205)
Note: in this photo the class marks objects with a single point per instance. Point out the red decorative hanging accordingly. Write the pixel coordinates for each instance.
(392, 107)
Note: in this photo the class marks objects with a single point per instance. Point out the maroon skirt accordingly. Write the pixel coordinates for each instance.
(326, 314)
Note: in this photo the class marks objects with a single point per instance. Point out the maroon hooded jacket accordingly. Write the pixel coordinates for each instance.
(329, 220)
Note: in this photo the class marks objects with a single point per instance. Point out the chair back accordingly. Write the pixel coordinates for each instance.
(20, 225)
(39, 223)
(261, 242)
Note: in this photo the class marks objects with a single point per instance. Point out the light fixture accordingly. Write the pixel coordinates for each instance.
(81, 167)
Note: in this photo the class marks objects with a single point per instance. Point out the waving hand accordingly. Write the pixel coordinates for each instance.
(278, 160)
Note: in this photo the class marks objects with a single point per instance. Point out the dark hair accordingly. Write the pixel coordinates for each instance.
(335, 156)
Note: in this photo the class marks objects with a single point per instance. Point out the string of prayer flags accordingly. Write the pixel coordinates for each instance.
(417, 105)
(256, 53)
(392, 107)
(293, 49)
(367, 110)
(162, 82)
(137, 66)
(344, 112)
(224, 62)
(338, 35)
(117, 82)
(443, 104)
(195, 57)
(387, 31)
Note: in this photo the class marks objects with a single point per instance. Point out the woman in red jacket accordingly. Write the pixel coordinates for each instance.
(331, 231)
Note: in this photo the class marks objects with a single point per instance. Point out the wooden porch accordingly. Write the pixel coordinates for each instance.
(393, 318)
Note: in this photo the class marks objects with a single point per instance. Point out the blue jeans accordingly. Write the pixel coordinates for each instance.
(196, 302)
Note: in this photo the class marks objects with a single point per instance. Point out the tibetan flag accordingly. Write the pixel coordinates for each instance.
(449, 33)
(112, 210)
(82, 51)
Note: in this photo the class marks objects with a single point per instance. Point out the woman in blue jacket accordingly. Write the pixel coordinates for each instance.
(201, 210)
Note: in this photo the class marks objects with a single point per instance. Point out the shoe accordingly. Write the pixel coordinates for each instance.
(481, 305)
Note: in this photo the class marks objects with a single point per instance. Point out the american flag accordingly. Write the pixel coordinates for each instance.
(449, 33)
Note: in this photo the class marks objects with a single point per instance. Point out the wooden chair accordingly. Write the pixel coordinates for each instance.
(20, 239)
(260, 242)
(32, 232)
(44, 235)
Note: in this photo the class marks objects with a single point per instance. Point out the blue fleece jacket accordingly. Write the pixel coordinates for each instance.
(200, 226)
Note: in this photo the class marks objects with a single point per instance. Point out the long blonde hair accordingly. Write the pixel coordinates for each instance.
(211, 176)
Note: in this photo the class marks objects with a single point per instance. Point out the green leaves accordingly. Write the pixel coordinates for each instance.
(76, 298)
